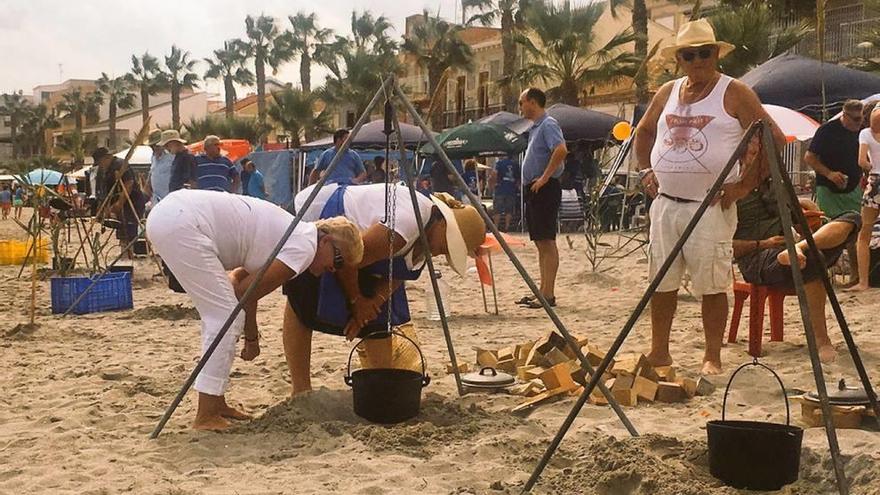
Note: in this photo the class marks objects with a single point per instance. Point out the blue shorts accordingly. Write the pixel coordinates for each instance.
(504, 204)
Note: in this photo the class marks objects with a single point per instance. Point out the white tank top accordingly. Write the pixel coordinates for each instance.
(694, 142)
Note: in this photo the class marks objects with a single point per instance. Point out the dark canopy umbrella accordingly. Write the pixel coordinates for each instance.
(476, 139)
(796, 82)
(371, 136)
(580, 124)
(512, 121)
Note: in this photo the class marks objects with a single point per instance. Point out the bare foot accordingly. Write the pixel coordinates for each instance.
(782, 257)
(659, 359)
(211, 423)
(300, 392)
(827, 353)
(233, 413)
(711, 368)
(858, 287)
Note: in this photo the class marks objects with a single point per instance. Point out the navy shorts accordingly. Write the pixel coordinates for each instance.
(542, 210)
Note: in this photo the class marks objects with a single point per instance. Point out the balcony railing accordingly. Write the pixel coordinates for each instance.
(845, 29)
(452, 118)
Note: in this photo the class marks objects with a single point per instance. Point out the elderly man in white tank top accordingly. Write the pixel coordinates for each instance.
(686, 137)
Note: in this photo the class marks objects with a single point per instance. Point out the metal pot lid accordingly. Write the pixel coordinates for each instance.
(488, 377)
(842, 395)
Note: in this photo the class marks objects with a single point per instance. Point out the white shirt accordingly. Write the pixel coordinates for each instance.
(867, 137)
(246, 229)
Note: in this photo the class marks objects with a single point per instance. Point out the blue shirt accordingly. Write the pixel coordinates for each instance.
(507, 172)
(470, 178)
(183, 170)
(255, 185)
(5, 196)
(215, 174)
(544, 136)
(349, 166)
(160, 175)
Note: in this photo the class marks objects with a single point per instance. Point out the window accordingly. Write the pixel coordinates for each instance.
(483, 93)
(495, 70)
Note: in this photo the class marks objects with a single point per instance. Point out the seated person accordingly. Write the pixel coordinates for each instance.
(759, 249)
(355, 301)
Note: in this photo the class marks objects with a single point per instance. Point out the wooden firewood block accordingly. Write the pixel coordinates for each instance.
(522, 352)
(626, 397)
(487, 358)
(623, 381)
(507, 366)
(506, 353)
(666, 373)
(630, 364)
(689, 386)
(558, 376)
(550, 341)
(645, 389)
(555, 356)
(462, 368)
(705, 387)
(649, 372)
(841, 416)
(527, 389)
(569, 351)
(596, 398)
(521, 372)
(596, 355)
(533, 372)
(539, 398)
(670, 392)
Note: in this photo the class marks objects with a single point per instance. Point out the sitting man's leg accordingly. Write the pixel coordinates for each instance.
(833, 236)
(816, 301)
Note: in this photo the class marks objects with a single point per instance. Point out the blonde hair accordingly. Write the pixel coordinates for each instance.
(346, 237)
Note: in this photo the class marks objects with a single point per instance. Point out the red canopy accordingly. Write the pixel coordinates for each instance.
(234, 149)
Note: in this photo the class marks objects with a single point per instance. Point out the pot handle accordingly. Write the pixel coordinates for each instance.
(489, 368)
(425, 378)
(779, 380)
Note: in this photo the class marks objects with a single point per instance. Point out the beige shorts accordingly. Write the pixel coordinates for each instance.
(708, 253)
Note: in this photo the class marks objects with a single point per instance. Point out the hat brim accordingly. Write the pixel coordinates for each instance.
(724, 49)
(456, 250)
(179, 140)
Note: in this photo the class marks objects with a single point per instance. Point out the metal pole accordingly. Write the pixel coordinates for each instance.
(494, 292)
(785, 206)
(262, 271)
(640, 307)
(423, 237)
(585, 364)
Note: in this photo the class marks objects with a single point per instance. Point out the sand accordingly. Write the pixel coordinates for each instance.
(81, 395)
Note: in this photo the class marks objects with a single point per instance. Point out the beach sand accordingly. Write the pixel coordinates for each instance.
(80, 396)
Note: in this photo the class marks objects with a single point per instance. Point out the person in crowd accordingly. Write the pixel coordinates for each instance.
(610, 205)
(160, 172)
(834, 156)
(5, 201)
(472, 179)
(442, 180)
(215, 171)
(126, 205)
(689, 132)
(760, 252)
(869, 161)
(354, 302)
(203, 235)
(184, 169)
(18, 199)
(256, 183)
(378, 174)
(349, 170)
(542, 191)
(504, 182)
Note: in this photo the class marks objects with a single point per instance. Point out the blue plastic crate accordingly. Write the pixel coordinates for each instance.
(112, 292)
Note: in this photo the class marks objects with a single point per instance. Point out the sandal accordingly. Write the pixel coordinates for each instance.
(537, 304)
(527, 300)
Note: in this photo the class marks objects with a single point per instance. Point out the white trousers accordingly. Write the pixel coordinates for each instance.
(173, 229)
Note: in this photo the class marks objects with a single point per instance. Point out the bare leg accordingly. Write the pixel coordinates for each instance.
(213, 411)
(714, 321)
(508, 222)
(548, 256)
(830, 235)
(496, 218)
(816, 301)
(663, 306)
(852, 254)
(863, 252)
(297, 351)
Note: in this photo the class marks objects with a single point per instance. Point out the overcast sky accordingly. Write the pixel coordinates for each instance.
(90, 36)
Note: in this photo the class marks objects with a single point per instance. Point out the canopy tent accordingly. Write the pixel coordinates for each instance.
(512, 121)
(142, 155)
(580, 124)
(44, 176)
(476, 139)
(371, 136)
(795, 125)
(795, 82)
(79, 174)
(234, 149)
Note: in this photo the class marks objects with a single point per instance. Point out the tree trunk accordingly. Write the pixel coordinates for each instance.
(508, 45)
(175, 105)
(145, 104)
(568, 92)
(230, 97)
(260, 66)
(437, 101)
(640, 27)
(305, 71)
(13, 135)
(111, 122)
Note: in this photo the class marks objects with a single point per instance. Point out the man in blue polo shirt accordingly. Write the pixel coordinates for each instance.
(541, 169)
(215, 171)
(504, 180)
(349, 170)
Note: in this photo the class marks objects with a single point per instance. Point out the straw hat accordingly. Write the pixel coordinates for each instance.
(170, 135)
(465, 230)
(693, 34)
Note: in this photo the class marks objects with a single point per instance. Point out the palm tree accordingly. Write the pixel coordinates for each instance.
(37, 120)
(228, 64)
(81, 107)
(180, 76)
(15, 106)
(752, 29)
(305, 36)
(146, 75)
(294, 110)
(77, 145)
(437, 46)
(118, 94)
(511, 15)
(270, 46)
(640, 30)
(566, 52)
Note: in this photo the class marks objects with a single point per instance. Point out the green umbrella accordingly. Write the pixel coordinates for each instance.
(476, 139)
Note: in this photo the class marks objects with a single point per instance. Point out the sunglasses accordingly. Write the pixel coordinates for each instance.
(338, 260)
(689, 55)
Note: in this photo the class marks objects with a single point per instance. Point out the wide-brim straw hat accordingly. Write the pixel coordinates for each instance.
(170, 135)
(693, 34)
(465, 230)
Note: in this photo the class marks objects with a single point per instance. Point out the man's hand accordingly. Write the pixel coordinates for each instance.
(773, 242)
(365, 310)
(649, 182)
(538, 184)
(251, 349)
(838, 178)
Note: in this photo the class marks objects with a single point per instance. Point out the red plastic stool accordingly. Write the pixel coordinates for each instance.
(758, 294)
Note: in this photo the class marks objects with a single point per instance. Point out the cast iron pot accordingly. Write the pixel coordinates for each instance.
(754, 455)
(383, 395)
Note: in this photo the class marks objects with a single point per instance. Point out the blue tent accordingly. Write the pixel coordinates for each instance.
(44, 176)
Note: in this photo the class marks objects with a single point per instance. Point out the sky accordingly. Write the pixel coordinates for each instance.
(87, 37)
